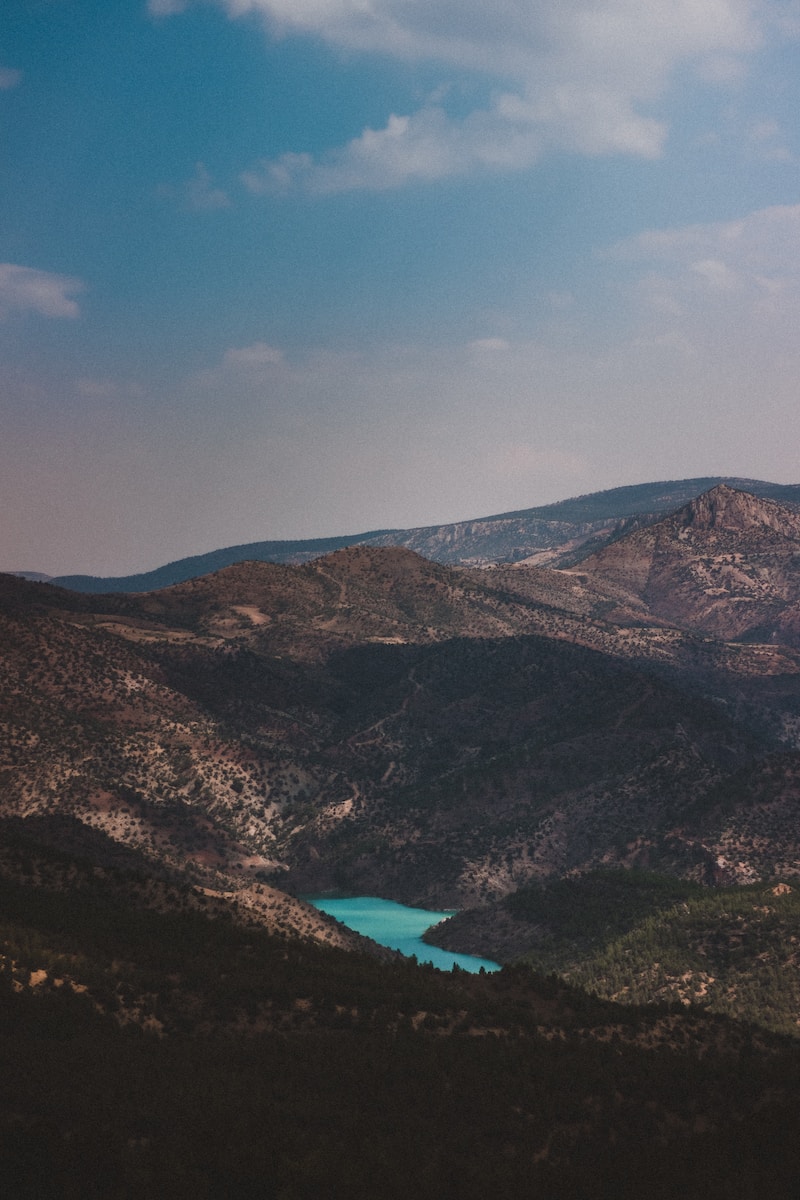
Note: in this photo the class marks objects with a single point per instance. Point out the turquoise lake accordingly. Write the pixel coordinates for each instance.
(398, 927)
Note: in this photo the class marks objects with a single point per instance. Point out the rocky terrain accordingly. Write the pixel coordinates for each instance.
(599, 766)
(375, 721)
(725, 565)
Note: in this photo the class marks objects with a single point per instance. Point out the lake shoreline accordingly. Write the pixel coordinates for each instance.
(399, 927)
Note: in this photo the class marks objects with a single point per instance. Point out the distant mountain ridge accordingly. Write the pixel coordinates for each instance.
(556, 535)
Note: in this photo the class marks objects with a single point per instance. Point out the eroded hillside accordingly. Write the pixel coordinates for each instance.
(374, 721)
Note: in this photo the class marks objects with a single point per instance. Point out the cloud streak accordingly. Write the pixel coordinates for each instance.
(744, 274)
(25, 289)
(763, 240)
(202, 193)
(199, 193)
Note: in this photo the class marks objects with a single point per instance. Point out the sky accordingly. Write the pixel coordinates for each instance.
(301, 268)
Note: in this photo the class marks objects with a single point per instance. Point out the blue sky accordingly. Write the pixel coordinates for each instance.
(294, 268)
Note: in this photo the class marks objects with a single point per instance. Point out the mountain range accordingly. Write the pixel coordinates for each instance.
(374, 721)
(556, 534)
(598, 764)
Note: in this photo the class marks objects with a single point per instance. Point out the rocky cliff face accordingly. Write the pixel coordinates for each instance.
(726, 564)
(725, 508)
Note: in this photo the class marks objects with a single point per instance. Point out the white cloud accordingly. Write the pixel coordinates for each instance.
(423, 147)
(512, 37)
(717, 275)
(9, 78)
(24, 289)
(763, 242)
(766, 140)
(580, 74)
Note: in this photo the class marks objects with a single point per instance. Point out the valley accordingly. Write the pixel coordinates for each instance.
(597, 765)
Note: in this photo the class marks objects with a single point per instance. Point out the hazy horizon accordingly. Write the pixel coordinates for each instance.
(275, 271)
(32, 573)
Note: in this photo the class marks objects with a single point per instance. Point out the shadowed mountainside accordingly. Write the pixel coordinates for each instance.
(372, 721)
(158, 1050)
(634, 936)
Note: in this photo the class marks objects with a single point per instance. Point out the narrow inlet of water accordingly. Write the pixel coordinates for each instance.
(398, 927)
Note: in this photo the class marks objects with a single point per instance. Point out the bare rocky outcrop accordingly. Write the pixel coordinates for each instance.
(728, 508)
(727, 564)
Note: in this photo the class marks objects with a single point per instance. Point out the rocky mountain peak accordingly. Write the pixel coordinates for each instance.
(724, 507)
(726, 563)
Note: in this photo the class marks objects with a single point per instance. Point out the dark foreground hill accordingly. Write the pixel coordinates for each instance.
(556, 534)
(150, 1051)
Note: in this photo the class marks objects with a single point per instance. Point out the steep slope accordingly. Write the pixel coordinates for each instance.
(170, 1024)
(559, 922)
(356, 595)
(72, 865)
(727, 564)
(731, 951)
(102, 758)
(498, 761)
